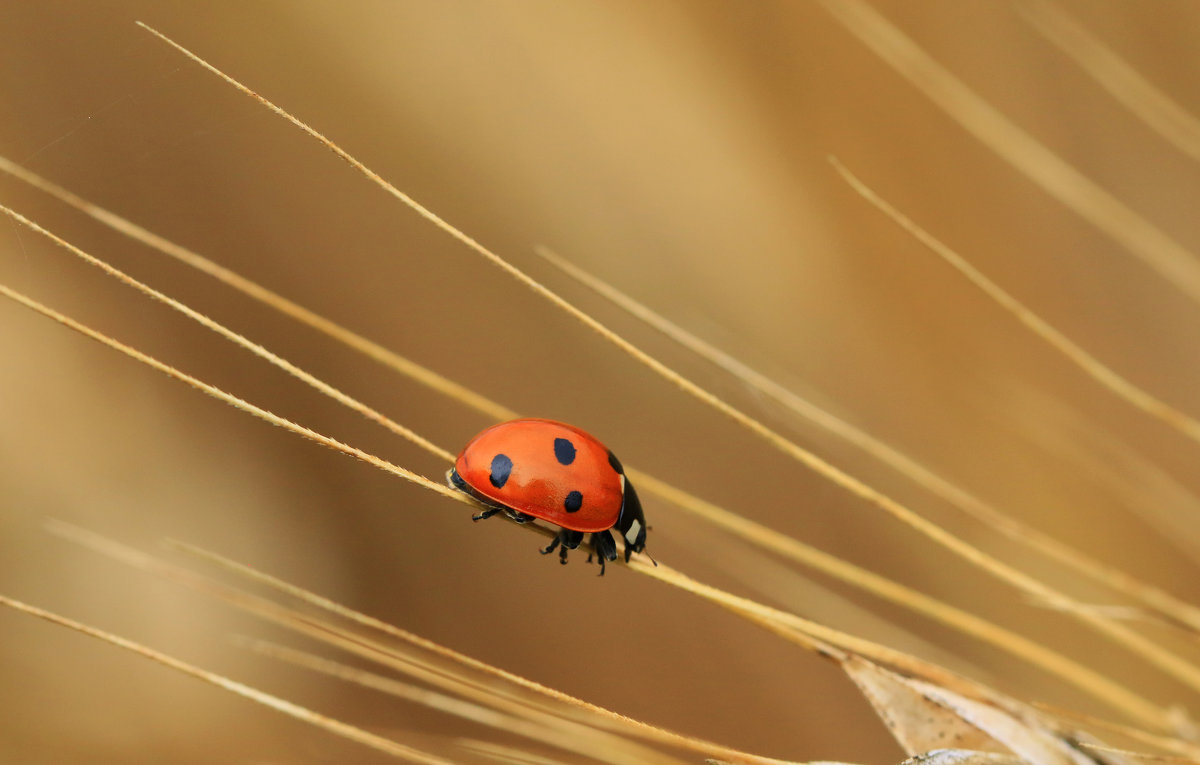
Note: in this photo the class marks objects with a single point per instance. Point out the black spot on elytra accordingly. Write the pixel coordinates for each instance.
(564, 451)
(501, 468)
(573, 502)
(615, 463)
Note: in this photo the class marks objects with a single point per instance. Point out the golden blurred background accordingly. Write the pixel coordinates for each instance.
(678, 150)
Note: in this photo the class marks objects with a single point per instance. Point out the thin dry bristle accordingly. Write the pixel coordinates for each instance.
(234, 280)
(1179, 268)
(1152, 653)
(308, 716)
(1084, 361)
(705, 184)
(545, 729)
(793, 549)
(232, 400)
(239, 340)
(413, 655)
(1166, 605)
(1141, 98)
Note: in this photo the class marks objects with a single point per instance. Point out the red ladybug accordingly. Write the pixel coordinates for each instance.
(534, 468)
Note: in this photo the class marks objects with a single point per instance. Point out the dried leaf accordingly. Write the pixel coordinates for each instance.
(918, 723)
(1024, 732)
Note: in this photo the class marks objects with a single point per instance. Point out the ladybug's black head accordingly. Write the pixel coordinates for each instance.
(632, 522)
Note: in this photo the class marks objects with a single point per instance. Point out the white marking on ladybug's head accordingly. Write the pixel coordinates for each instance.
(635, 528)
(622, 484)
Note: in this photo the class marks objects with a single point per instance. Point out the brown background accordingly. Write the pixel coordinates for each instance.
(678, 150)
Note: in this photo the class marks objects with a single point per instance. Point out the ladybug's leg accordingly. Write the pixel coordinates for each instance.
(605, 548)
(485, 514)
(569, 541)
(493, 509)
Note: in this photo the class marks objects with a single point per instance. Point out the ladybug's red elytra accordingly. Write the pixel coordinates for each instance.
(534, 468)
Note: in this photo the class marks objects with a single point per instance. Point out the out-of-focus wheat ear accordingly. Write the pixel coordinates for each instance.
(775, 581)
(1097, 684)
(1084, 361)
(1143, 99)
(1099, 750)
(1014, 725)
(923, 716)
(902, 702)
(918, 723)
(967, 700)
(1164, 603)
(535, 695)
(238, 339)
(234, 401)
(579, 739)
(837, 645)
(1172, 608)
(1087, 199)
(308, 716)
(417, 664)
(268, 297)
(1154, 654)
(1181, 746)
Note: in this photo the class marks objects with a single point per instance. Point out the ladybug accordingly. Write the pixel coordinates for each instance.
(534, 468)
